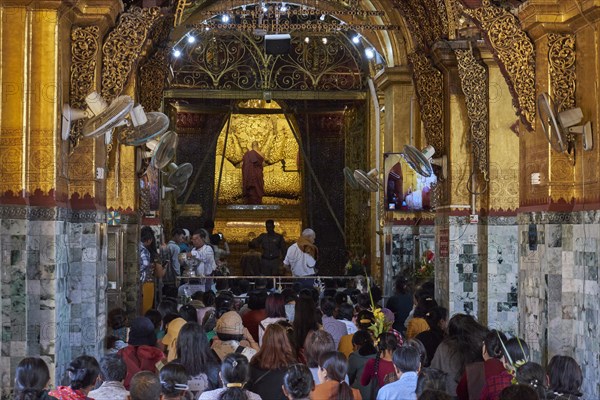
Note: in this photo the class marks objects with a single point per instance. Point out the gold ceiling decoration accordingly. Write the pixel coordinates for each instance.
(475, 82)
(561, 58)
(85, 43)
(514, 52)
(179, 10)
(428, 20)
(123, 46)
(152, 80)
(237, 61)
(429, 84)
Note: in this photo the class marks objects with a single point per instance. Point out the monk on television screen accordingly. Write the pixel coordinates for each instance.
(253, 183)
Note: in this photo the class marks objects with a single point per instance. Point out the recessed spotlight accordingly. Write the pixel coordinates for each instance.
(225, 18)
(356, 39)
(191, 39)
(322, 18)
(307, 40)
(324, 40)
(264, 9)
(176, 53)
(369, 53)
(283, 8)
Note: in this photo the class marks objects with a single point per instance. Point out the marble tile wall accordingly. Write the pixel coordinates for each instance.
(558, 289)
(131, 274)
(52, 288)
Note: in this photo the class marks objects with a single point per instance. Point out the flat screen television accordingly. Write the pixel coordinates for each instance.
(405, 190)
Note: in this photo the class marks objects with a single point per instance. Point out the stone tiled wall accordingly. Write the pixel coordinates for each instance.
(558, 289)
(52, 287)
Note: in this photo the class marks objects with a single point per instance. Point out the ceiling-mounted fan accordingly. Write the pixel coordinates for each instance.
(178, 178)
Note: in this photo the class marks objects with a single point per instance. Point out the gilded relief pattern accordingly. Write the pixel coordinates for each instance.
(85, 42)
(514, 52)
(503, 192)
(561, 58)
(40, 160)
(237, 60)
(474, 81)
(430, 92)
(121, 190)
(428, 20)
(11, 154)
(122, 48)
(152, 77)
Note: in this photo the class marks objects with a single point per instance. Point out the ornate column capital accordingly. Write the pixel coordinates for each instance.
(393, 75)
(539, 17)
(102, 13)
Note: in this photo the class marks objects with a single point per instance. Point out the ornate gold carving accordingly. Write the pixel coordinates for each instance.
(561, 58)
(278, 144)
(237, 60)
(428, 20)
(513, 51)
(11, 156)
(429, 84)
(40, 161)
(122, 48)
(152, 80)
(85, 42)
(125, 197)
(179, 10)
(474, 81)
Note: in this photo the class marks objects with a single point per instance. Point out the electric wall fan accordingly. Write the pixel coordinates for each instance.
(367, 180)
(100, 116)
(178, 178)
(165, 150)
(556, 124)
(422, 162)
(144, 126)
(348, 175)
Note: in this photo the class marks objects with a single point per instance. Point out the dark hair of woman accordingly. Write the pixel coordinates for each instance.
(533, 374)
(275, 306)
(208, 298)
(257, 300)
(154, 316)
(431, 394)
(464, 339)
(83, 372)
(31, 377)
(565, 375)
(517, 349)
(435, 316)
(494, 343)
(305, 320)
(401, 285)
(173, 380)
(518, 392)
(425, 302)
(431, 379)
(336, 366)
(298, 382)
(387, 342)
(317, 342)
(417, 344)
(345, 312)
(188, 312)
(276, 351)
(167, 306)
(146, 233)
(364, 319)
(289, 294)
(234, 373)
(193, 351)
(117, 318)
(364, 341)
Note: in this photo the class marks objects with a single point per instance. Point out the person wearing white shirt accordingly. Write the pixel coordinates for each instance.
(301, 257)
(204, 253)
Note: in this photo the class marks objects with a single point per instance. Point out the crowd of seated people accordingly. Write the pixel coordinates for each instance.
(218, 347)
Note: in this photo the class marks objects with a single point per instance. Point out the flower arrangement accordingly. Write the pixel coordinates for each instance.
(356, 265)
(380, 325)
(425, 268)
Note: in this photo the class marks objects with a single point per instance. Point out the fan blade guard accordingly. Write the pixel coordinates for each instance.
(165, 150)
(112, 116)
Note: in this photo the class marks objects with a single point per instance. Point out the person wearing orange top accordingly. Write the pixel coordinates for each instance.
(332, 372)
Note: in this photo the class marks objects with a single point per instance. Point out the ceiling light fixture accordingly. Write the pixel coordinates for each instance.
(369, 53)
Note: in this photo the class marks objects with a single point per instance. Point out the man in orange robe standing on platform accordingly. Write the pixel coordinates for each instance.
(253, 183)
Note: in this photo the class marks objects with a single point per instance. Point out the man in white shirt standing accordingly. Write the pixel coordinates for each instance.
(205, 255)
(302, 256)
